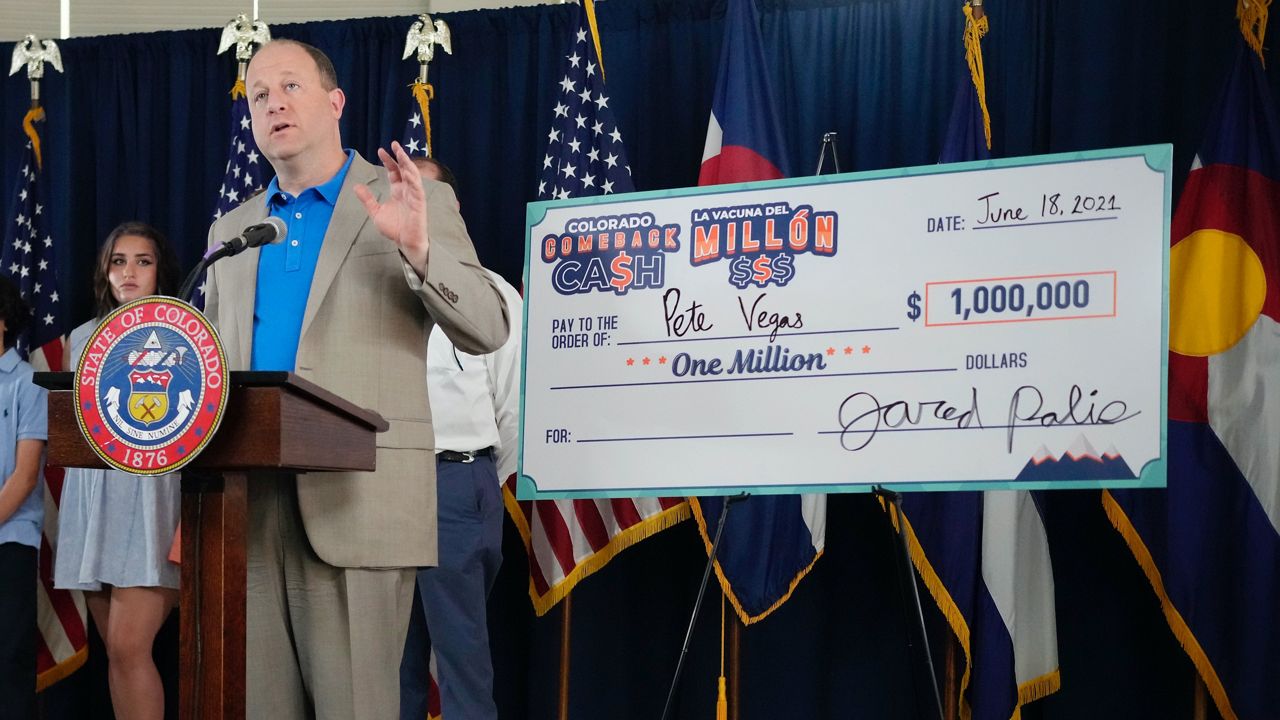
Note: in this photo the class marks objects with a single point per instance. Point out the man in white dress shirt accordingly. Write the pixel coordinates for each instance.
(475, 408)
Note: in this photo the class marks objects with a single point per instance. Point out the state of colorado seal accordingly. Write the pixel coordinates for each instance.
(151, 386)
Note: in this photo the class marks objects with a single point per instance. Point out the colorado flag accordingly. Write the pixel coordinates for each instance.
(770, 543)
(1210, 543)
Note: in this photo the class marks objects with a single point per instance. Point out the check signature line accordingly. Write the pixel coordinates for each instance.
(687, 437)
(740, 379)
(758, 336)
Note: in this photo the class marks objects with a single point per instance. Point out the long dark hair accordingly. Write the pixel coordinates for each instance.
(166, 264)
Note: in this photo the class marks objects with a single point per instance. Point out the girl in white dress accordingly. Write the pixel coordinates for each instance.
(115, 528)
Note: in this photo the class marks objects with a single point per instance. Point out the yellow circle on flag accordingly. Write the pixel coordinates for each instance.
(1216, 290)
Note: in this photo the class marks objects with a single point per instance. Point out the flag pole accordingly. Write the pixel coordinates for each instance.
(950, 687)
(722, 698)
(566, 625)
(735, 664)
(1200, 699)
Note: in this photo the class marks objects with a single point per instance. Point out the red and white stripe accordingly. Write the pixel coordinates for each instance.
(567, 540)
(60, 614)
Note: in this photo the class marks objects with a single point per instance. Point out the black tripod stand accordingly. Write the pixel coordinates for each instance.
(907, 585)
(697, 604)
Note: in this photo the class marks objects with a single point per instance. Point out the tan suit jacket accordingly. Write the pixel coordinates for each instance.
(364, 337)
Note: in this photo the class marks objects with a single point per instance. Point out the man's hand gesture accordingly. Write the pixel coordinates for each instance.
(403, 217)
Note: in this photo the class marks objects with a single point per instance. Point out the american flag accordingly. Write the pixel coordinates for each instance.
(567, 540)
(243, 176)
(28, 259)
(585, 155)
(415, 139)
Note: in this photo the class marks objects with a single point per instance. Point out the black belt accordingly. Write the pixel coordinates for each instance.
(463, 457)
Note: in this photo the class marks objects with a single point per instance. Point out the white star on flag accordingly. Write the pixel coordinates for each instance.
(581, 117)
(242, 170)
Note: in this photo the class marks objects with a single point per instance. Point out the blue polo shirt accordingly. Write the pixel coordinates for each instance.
(24, 415)
(285, 270)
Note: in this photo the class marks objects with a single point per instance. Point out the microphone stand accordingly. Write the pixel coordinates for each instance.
(188, 285)
(271, 231)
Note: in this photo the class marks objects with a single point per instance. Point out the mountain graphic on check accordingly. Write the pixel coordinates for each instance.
(1080, 462)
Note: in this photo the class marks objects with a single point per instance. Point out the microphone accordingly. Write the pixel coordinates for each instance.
(272, 230)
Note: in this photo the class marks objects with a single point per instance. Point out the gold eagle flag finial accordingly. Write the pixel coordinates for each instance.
(244, 36)
(33, 53)
(423, 37)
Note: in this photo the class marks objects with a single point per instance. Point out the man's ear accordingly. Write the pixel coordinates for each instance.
(337, 100)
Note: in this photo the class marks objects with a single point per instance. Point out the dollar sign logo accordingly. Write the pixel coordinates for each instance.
(913, 306)
(782, 269)
(740, 272)
(622, 275)
(763, 271)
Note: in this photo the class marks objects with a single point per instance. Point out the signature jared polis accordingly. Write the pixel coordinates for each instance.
(862, 415)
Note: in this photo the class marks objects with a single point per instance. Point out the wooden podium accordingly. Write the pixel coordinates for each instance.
(273, 421)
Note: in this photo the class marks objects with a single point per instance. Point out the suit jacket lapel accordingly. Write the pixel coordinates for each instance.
(243, 285)
(349, 217)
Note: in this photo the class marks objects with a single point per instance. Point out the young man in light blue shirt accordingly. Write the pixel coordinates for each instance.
(23, 432)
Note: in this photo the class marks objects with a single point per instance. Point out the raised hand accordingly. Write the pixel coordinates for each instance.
(403, 217)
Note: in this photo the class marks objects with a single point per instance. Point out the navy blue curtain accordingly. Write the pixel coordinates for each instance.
(137, 130)
(137, 124)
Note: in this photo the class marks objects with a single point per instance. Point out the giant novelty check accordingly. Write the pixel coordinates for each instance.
(983, 325)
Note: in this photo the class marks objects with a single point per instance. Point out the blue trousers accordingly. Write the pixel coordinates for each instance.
(453, 619)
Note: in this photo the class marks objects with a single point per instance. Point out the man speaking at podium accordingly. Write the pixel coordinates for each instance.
(371, 260)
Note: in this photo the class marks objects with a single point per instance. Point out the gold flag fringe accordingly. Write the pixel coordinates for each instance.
(62, 669)
(1253, 23)
(424, 93)
(1186, 638)
(974, 30)
(33, 116)
(746, 617)
(623, 540)
(595, 33)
